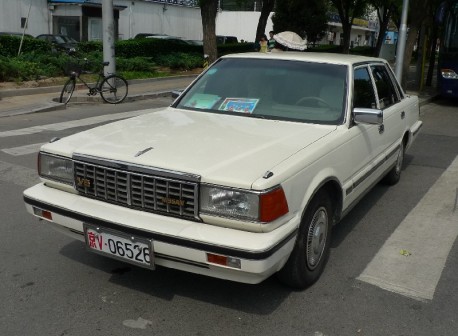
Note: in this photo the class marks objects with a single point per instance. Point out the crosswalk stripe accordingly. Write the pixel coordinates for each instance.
(411, 261)
(75, 123)
(23, 150)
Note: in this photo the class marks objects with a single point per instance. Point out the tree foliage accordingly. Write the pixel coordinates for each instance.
(304, 17)
(386, 9)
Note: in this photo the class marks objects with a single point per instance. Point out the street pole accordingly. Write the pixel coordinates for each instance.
(400, 50)
(25, 27)
(108, 36)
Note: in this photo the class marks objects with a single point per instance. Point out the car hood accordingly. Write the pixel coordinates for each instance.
(233, 150)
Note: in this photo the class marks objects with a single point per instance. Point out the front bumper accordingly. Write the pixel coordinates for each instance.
(176, 243)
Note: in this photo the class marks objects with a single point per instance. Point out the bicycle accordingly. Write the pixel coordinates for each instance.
(112, 88)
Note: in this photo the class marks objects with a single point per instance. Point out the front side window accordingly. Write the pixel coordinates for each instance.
(271, 89)
(364, 96)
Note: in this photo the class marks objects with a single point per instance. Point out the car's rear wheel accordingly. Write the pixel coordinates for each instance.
(394, 175)
(311, 250)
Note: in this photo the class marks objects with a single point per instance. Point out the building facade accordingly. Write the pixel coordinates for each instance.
(82, 20)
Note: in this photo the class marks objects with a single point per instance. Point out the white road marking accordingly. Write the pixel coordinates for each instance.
(18, 175)
(75, 123)
(23, 150)
(427, 233)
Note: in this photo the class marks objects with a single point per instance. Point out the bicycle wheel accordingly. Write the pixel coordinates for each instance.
(113, 89)
(67, 91)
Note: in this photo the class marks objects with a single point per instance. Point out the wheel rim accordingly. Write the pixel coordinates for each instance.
(114, 90)
(316, 238)
(399, 160)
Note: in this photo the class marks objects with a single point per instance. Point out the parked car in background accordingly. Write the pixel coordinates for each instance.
(175, 39)
(221, 39)
(60, 42)
(195, 42)
(243, 176)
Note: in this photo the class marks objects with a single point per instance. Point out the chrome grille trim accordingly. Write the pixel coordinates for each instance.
(137, 189)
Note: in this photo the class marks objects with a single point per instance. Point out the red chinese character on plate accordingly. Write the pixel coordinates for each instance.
(91, 237)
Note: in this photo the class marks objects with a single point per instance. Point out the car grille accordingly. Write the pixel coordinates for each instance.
(137, 190)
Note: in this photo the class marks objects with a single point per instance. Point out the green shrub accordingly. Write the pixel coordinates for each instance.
(135, 64)
(17, 69)
(329, 48)
(150, 47)
(363, 51)
(180, 61)
(225, 49)
(10, 45)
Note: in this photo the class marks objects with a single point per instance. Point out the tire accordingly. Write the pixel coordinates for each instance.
(113, 89)
(311, 250)
(67, 91)
(394, 175)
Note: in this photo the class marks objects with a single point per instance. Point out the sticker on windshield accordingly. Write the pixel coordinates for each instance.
(202, 101)
(243, 105)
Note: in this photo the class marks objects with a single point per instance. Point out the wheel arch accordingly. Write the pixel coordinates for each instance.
(333, 188)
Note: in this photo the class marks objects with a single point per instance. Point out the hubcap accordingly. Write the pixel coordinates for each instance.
(316, 238)
(399, 161)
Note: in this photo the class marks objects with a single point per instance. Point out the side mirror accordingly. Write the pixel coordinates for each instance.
(368, 116)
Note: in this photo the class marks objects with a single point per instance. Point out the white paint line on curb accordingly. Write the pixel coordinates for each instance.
(411, 261)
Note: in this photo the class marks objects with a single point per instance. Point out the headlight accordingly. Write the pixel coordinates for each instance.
(240, 204)
(55, 168)
(449, 74)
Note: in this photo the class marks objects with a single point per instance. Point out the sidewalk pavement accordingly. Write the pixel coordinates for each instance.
(33, 100)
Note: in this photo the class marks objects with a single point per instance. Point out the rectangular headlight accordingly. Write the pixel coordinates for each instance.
(55, 168)
(233, 203)
(260, 206)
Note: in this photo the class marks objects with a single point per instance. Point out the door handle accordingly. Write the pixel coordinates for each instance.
(403, 114)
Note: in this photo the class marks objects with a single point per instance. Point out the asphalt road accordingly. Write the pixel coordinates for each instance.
(50, 285)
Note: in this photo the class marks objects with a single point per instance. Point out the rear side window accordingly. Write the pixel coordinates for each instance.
(364, 96)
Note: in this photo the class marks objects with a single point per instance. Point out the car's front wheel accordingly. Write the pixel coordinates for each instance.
(311, 250)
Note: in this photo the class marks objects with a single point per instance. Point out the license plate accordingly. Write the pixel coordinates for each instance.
(119, 245)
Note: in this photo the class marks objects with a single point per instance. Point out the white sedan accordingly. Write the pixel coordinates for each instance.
(243, 176)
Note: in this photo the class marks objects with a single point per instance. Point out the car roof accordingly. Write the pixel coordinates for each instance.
(333, 58)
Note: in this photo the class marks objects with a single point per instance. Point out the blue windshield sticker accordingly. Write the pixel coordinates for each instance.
(243, 105)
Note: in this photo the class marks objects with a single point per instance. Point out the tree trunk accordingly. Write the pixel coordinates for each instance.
(346, 27)
(410, 43)
(432, 55)
(208, 10)
(267, 8)
(384, 19)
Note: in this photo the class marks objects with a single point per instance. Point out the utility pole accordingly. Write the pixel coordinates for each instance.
(400, 50)
(108, 35)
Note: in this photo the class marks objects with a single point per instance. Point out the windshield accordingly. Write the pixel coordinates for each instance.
(270, 89)
(451, 30)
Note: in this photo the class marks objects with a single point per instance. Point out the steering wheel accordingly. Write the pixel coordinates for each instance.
(317, 101)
